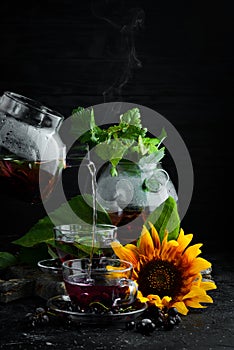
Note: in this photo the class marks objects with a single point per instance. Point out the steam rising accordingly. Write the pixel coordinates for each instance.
(127, 22)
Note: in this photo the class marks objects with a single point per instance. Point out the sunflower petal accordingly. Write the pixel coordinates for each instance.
(197, 294)
(184, 240)
(199, 264)
(169, 250)
(194, 304)
(141, 297)
(191, 289)
(180, 305)
(208, 285)
(200, 298)
(166, 300)
(146, 246)
(164, 242)
(155, 236)
(128, 252)
(193, 251)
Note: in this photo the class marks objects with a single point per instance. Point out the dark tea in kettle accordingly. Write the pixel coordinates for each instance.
(32, 154)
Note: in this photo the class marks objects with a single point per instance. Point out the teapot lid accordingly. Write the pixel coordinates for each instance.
(30, 111)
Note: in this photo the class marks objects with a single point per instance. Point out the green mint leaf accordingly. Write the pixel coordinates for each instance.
(143, 149)
(82, 121)
(152, 158)
(132, 117)
(77, 110)
(84, 127)
(113, 149)
(151, 141)
(113, 143)
(132, 132)
(113, 171)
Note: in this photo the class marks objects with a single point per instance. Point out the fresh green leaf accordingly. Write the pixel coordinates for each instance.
(7, 259)
(151, 141)
(131, 132)
(42, 231)
(132, 117)
(165, 217)
(143, 148)
(77, 110)
(113, 149)
(151, 158)
(113, 171)
(112, 144)
(84, 127)
(81, 121)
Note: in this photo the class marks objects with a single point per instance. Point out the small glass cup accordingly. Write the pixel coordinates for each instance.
(77, 241)
(104, 281)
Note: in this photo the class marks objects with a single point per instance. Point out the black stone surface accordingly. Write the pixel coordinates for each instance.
(210, 328)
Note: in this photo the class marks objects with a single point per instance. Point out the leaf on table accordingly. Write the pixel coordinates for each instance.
(42, 231)
(7, 259)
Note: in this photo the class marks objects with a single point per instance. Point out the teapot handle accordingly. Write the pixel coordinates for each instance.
(166, 173)
(153, 184)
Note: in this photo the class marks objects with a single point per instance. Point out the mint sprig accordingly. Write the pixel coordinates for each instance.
(112, 144)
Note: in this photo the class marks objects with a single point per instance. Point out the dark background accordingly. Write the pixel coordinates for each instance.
(175, 58)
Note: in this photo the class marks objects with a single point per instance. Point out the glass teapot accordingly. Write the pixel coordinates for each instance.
(32, 154)
(132, 195)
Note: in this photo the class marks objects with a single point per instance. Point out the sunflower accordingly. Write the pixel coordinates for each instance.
(168, 273)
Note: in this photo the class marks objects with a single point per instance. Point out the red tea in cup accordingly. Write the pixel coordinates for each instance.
(102, 281)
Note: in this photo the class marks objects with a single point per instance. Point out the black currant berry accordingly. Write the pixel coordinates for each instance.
(172, 311)
(37, 318)
(145, 326)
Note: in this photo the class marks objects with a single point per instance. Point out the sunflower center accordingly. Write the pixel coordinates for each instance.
(161, 278)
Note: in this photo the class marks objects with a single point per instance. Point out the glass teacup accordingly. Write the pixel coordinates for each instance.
(100, 281)
(78, 241)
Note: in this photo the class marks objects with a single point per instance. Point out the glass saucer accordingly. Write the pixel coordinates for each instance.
(50, 266)
(61, 305)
